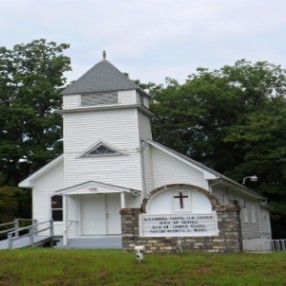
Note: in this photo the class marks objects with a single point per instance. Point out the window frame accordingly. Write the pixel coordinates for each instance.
(57, 208)
(99, 99)
(87, 152)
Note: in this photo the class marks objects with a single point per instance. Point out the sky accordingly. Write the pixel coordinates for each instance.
(151, 39)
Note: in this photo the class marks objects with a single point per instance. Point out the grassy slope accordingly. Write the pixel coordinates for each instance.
(43, 266)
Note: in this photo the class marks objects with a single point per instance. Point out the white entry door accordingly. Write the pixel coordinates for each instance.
(113, 205)
(100, 214)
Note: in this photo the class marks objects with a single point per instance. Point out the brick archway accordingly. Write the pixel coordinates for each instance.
(228, 239)
(213, 200)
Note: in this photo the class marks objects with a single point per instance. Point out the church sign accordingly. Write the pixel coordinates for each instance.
(170, 225)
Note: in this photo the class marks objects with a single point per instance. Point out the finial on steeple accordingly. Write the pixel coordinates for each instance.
(104, 55)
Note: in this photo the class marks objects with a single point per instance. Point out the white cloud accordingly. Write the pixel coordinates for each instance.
(153, 38)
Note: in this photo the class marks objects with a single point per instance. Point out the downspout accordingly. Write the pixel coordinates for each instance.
(141, 150)
(65, 234)
(219, 181)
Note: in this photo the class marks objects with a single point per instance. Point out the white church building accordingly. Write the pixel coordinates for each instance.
(114, 181)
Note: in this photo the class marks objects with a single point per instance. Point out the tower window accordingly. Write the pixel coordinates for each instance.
(100, 98)
(102, 150)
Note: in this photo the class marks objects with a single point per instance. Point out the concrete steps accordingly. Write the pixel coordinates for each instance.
(98, 242)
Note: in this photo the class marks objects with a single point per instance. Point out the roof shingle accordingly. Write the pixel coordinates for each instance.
(101, 77)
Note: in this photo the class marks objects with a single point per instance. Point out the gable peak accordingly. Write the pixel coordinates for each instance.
(101, 77)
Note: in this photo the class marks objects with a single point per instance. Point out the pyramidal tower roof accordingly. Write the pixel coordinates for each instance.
(101, 77)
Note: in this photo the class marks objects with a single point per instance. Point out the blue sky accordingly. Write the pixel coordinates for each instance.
(151, 39)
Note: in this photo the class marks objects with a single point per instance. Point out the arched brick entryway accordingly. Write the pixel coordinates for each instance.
(214, 202)
(228, 240)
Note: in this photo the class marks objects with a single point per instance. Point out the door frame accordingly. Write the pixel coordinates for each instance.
(107, 198)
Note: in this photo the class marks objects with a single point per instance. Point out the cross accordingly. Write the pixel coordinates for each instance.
(181, 197)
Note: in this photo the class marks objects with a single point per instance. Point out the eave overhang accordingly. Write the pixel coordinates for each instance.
(94, 187)
(140, 107)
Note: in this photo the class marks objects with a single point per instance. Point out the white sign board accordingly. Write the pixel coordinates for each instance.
(178, 225)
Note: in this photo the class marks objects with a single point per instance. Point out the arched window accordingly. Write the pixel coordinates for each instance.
(57, 208)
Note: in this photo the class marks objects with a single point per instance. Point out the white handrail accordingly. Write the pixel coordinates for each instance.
(70, 222)
(32, 231)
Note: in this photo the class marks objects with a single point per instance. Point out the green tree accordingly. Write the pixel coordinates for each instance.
(31, 78)
(8, 204)
(233, 120)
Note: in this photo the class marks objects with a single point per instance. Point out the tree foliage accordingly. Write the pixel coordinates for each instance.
(31, 78)
(233, 120)
(14, 203)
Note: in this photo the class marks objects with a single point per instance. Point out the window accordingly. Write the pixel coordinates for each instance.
(99, 98)
(57, 208)
(102, 150)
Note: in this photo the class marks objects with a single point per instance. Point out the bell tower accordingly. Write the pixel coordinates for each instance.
(106, 117)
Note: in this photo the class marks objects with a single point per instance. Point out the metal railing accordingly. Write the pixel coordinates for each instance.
(264, 244)
(15, 232)
(70, 222)
(278, 244)
(12, 226)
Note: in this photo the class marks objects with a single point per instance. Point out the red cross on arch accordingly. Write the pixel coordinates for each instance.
(181, 197)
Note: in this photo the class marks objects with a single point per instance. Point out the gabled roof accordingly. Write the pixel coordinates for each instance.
(209, 174)
(28, 182)
(101, 78)
(95, 187)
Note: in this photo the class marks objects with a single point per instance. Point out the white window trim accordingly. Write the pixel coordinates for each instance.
(107, 98)
(85, 153)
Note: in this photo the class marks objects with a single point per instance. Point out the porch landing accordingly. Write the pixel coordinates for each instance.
(94, 242)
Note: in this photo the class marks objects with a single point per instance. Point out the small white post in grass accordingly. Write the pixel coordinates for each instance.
(139, 253)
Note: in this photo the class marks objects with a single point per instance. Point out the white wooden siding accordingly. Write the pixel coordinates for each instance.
(133, 202)
(265, 222)
(71, 101)
(83, 129)
(146, 134)
(168, 170)
(142, 99)
(148, 168)
(44, 187)
(73, 216)
(127, 97)
(251, 228)
(123, 171)
(221, 193)
(120, 128)
(249, 215)
(254, 222)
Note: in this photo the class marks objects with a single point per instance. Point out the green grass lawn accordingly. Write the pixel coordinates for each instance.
(47, 266)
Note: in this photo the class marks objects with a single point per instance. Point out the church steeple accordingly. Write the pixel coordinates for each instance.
(106, 116)
(102, 77)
